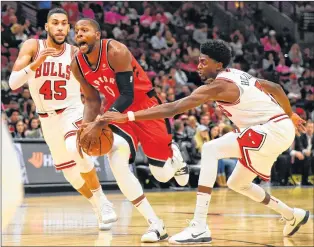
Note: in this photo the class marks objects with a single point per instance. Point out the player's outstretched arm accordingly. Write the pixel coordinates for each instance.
(216, 90)
(92, 98)
(23, 69)
(277, 92)
(120, 59)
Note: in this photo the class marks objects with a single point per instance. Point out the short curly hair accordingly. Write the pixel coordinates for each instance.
(217, 50)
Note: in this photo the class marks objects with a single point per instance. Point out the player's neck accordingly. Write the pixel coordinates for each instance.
(52, 44)
(93, 56)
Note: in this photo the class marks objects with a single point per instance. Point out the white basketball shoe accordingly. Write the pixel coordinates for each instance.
(156, 232)
(108, 215)
(300, 217)
(182, 174)
(193, 234)
(101, 226)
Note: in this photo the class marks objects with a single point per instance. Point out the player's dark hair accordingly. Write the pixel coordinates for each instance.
(94, 23)
(217, 50)
(56, 11)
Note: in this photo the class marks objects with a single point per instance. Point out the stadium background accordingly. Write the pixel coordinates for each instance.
(272, 40)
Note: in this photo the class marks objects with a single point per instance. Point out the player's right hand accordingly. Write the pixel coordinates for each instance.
(42, 57)
(298, 123)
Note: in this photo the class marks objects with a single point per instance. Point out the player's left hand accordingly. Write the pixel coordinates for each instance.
(117, 117)
(88, 135)
(298, 123)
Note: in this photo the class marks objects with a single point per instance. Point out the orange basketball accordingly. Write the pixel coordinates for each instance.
(103, 146)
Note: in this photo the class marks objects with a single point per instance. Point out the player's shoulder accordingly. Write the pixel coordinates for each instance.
(115, 47)
(31, 43)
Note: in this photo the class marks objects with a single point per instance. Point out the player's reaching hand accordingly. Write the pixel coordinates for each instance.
(111, 116)
(298, 123)
(42, 57)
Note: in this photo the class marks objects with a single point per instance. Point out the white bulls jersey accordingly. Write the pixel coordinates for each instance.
(54, 87)
(253, 106)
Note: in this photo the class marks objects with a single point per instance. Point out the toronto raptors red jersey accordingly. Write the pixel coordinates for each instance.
(104, 80)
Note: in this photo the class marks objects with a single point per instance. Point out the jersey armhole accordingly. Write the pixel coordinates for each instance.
(107, 48)
(37, 51)
(231, 81)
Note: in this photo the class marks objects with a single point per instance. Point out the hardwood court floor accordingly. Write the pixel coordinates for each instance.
(233, 219)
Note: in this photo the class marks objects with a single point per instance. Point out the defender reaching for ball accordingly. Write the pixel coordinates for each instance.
(266, 129)
(107, 66)
(45, 65)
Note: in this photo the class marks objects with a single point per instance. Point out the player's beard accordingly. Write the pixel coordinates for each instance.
(90, 48)
(54, 40)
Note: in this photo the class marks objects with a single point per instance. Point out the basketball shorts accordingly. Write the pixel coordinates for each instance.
(260, 145)
(57, 126)
(153, 135)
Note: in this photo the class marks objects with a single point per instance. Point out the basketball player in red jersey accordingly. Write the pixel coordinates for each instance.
(107, 66)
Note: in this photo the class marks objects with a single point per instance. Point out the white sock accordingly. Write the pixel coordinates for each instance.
(98, 192)
(201, 209)
(281, 208)
(146, 210)
(92, 201)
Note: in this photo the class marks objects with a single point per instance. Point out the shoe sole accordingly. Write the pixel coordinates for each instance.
(164, 237)
(111, 221)
(178, 177)
(193, 241)
(302, 222)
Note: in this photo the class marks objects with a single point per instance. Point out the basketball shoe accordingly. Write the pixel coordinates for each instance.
(182, 174)
(156, 232)
(193, 234)
(300, 217)
(106, 211)
(101, 226)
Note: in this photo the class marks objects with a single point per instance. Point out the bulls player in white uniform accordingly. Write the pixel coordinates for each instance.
(45, 65)
(266, 128)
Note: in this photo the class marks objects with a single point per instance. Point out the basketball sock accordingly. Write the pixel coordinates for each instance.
(98, 192)
(280, 207)
(201, 209)
(92, 201)
(146, 209)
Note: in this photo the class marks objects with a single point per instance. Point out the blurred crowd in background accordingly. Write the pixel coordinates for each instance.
(165, 38)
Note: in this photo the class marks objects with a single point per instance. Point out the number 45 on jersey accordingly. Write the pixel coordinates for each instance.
(53, 90)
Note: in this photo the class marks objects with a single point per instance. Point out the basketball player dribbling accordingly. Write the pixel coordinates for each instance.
(45, 65)
(266, 128)
(107, 66)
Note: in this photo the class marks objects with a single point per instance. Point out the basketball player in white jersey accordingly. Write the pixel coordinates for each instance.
(266, 128)
(45, 65)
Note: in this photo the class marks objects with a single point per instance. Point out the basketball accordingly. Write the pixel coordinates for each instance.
(103, 146)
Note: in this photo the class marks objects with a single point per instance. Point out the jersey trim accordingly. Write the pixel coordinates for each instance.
(37, 52)
(99, 59)
(58, 55)
(79, 66)
(107, 47)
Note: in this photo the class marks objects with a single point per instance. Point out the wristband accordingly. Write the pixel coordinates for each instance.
(131, 116)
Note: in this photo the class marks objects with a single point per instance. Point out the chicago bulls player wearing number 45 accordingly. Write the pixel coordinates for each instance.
(266, 128)
(45, 65)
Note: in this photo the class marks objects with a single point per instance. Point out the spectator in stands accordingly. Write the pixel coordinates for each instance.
(28, 28)
(87, 12)
(269, 62)
(18, 31)
(283, 70)
(19, 129)
(270, 43)
(305, 144)
(308, 58)
(158, 41)
(251, 35)
(295, 54)
(296, 68)
(213, 131)
(236, 46)
(293, 88)
(170, 40)
(201, 136)
(156, 63)
(34, 130)
(200, 34)
(146, 19)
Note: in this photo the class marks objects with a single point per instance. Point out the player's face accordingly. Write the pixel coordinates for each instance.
(86, 36)
(58, 28)
(207, 67)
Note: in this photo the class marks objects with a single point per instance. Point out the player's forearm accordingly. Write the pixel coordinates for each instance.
(19, 78)
(91, 110)
(158, 112)
(122, 103)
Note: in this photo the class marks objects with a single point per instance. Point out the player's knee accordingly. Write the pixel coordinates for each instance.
(70, 144)
(162, 174)
(73, 176)
(237, 185)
